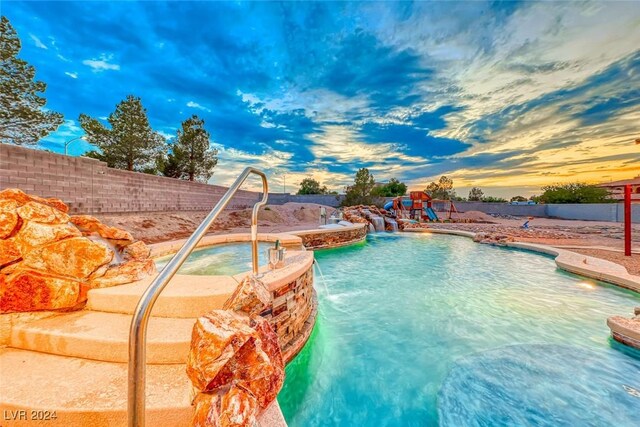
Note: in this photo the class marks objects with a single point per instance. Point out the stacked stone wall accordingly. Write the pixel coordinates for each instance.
(333, 238)
(292, 308)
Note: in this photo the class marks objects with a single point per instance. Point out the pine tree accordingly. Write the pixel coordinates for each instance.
(131, 143)
(475, 194)
(361, 192)
(191, 156)
(22, 117)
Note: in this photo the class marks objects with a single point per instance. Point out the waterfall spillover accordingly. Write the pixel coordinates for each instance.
(392, 223)
(378, 222)
(324, 282)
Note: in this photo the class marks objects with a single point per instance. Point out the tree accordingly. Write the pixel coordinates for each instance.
(393, 188)
(518, 199)
(475, 194)
(130, 144)
(443, 189)
(360, 193)
(574, 193)
(311, 186)
(94, 154)
(191, 156)
(493, 199)
(22, 118)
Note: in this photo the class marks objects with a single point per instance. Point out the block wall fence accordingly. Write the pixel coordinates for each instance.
(88, 186)
(612, 212)
(321, 199)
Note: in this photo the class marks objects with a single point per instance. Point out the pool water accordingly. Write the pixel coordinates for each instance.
(222, 260)
(423, 330)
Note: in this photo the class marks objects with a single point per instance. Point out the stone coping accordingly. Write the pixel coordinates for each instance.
(625, 327)
(329, 238)
(328, 230)
(289, 240)
(588, 266)
(296, 263)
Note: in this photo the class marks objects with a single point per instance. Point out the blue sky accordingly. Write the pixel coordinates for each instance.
(507, 96)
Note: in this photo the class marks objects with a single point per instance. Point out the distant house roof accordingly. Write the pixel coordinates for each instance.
(621, 183)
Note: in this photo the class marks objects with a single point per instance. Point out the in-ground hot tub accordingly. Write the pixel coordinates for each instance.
(432, 329)
(220, 259)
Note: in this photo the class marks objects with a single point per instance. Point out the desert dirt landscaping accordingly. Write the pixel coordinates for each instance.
(594, 238)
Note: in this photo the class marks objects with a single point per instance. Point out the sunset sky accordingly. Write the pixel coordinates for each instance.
(505, 96)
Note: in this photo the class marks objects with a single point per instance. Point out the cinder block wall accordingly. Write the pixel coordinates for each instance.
(321, 199)
(89, 186)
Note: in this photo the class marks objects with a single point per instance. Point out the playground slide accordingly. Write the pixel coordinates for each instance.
(405, 203)
(431, 214)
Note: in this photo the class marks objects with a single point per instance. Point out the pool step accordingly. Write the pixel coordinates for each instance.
(91, 393)
(186, 296)
(103, 336)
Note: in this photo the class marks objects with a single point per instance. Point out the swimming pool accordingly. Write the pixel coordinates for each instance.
(421, 330)
(223, 260)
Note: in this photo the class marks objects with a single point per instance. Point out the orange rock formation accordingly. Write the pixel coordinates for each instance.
(235, 362)
(49, 260)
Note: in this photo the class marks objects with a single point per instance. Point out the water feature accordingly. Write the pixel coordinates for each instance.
(117, 256)
(378, 222)
(225, 259)
(446, 331)
(392, 223)
(320, 277)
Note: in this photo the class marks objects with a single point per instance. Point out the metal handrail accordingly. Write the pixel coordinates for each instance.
(138, 331)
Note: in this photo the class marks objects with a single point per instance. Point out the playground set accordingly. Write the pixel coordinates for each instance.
(418, 207)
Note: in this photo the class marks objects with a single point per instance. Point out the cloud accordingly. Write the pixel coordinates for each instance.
(38, 42)
(101, 64)
(192, 104)
(73, 75)
(496, 94)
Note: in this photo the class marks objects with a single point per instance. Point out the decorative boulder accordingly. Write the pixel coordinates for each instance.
(48, 263)
(89, 225)
(251, 297)
(37, 212)
(29, 290)
(21, 198)
(137, 250)
(8, 223)
(216, 338)
(34, 234)
(235, 362)
(9, 252)
(235, 408)
(76, 257)
(120, 274)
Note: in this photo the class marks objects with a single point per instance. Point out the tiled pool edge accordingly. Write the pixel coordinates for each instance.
(584, 265)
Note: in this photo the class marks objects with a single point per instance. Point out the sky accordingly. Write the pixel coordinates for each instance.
(507, 96)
